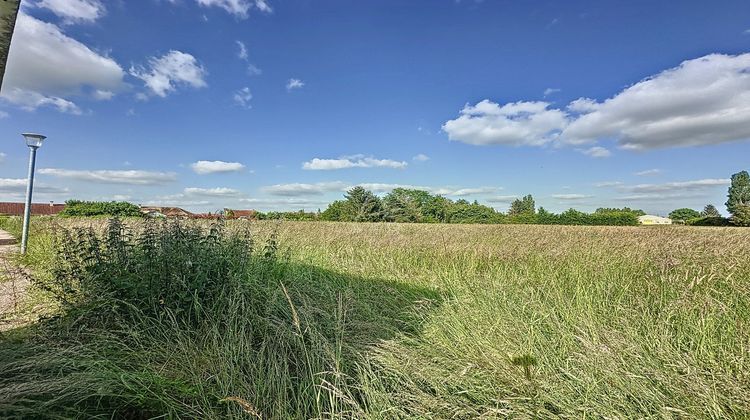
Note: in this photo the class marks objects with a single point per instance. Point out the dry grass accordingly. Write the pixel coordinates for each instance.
(519, 321)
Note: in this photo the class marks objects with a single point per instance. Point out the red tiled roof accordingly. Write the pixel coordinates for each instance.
(37, 209)
(245, 214)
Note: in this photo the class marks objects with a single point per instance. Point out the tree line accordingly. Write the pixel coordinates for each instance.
(403, 205)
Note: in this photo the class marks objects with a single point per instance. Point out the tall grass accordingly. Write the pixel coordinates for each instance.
(385, 321)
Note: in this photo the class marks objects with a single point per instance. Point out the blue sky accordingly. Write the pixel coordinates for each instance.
(278, 105)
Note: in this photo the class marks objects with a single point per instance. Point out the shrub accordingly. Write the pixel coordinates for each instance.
(101, 208)
(709, 221)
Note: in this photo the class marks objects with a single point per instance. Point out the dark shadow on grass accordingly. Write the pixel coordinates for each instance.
(314, 329)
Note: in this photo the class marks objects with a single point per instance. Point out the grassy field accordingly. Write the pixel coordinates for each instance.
(337, 320)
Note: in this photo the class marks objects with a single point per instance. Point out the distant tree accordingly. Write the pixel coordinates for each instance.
(684, 214)
(101, 208)
(464, 212)
(405, 205)
(636, 212)
(436, 209)
(739, 191)
(710, 211)
(741, 216)
(365, 205)
(338, 211)
(524, 205)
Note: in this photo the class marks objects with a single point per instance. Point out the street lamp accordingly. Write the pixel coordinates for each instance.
(34, 141)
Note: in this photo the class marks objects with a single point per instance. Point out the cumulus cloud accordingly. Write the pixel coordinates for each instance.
(74, 11)
(130, 177)
(300, 189)
(242, 97)
(164, 74)
(571, 197)
(294, 84)
(239, 8)
(512, 124)
(38, 47)
(421, 158)
(504, 199)
(597, 152)
(211, 192)
(700, 102)
(550, 91)
(242, 53)
(203, 167)
(608, 184)
(18, 186)
(648, 172)
(357, 161)
(696, 185)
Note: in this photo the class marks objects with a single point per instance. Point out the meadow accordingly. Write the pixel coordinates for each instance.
(382, 320)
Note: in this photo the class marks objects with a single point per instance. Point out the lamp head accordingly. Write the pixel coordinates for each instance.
(34, 140)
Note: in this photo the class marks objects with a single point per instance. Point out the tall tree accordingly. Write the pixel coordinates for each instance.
(738, 201)
(739, 191)
(365, 205)
(684, 214)
(405, 205)
(8, 14)
(525, 205)
(710, 211)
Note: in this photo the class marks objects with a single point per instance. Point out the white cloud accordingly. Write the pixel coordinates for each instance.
(242, 97)
(502, 199)
(284, 202)
(550, 91)
(74, 11)
(18, 186)
(2, 157)
(211, 192)
(703, 101)
(4, 114)
(357, 161)
(242, 53)
(421, 158)
(294, 84)
(571, 197)
(103, 95)
(700, 184)
(239, 8)
(512, 124)
(461, 192)
(173, 69)
(299, 189)
(583, 106)
(253, 70)
(608, 184)
(38, 47)
(648, 172)
(203, 167)
(131, 177)
(700, 102)
(597, 152)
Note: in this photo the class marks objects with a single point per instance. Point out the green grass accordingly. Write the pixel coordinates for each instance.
(404, 321)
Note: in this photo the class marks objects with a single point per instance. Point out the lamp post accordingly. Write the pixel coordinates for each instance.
(34, 141)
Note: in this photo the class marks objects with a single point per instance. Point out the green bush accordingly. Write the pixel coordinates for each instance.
(709, 221)
(177, 322)
(80, 208)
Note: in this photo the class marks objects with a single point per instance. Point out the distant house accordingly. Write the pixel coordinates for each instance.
(171, 212)
(37, 209)
(241, 214)
(653, 220)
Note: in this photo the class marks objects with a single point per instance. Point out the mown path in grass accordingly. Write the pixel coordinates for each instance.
(13, 285)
